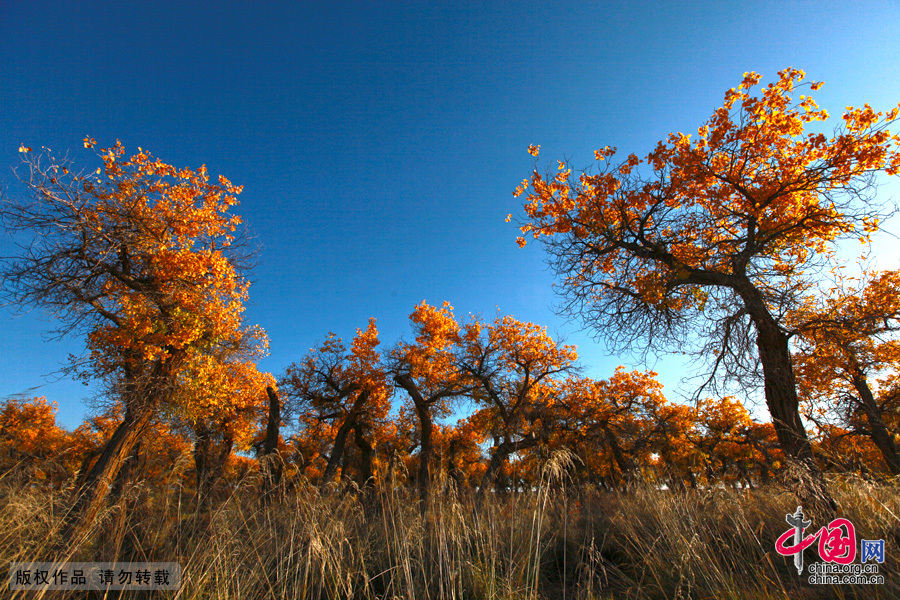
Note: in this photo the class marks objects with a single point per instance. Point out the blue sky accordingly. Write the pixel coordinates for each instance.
(379, 143)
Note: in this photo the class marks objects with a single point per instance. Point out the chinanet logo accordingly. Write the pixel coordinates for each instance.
(836, 548)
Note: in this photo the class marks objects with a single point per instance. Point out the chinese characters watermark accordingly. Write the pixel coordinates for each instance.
(94, 576)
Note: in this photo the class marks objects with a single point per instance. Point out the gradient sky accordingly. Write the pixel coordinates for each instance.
(379, 143)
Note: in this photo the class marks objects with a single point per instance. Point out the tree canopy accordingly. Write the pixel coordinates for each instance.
(138, 255)
(721, 233)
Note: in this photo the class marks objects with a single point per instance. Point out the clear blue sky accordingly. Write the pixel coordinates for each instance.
(379, 143)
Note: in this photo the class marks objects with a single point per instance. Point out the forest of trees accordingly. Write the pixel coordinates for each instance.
(724, 243)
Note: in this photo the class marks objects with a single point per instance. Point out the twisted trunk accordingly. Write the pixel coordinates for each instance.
(340, 440)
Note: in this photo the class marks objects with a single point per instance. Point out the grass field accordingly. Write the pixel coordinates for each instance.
(557, 541)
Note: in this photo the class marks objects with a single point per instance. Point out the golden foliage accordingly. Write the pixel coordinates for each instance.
(751, 181)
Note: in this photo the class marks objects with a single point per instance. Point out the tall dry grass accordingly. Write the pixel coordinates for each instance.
(556, 541)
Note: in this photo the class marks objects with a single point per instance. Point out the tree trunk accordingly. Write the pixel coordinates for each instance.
(426, 451)
(202, 443)
(778, 374)
(425, 425)
(626, 465)
(366, 452)
(210, 463)
(877, 429)
(94, 484)
(269, 461)
(500, 456)
(781, 398)
(126, 473)
(340, 440)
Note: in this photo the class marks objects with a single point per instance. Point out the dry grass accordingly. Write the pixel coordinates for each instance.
(553, 542)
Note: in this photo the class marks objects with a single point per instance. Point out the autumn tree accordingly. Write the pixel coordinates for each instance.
(673, 454)
(618, 418)
(152, 459)
(428, 370)
(346, 388)
(724, 439)
(719, 234)
(396, 462)
(889, 399)
(141, 257)
(32, 446)
(225, 402)
(846, 450)
(768, 456)
(311, 445)
(847, 339)
(460, 450)
(514, 368)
